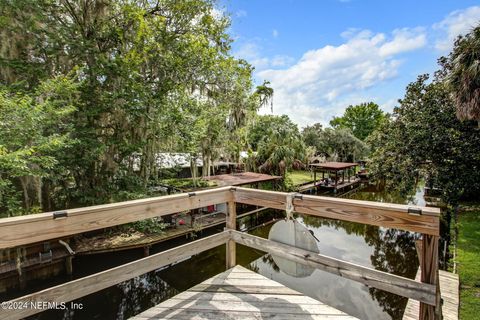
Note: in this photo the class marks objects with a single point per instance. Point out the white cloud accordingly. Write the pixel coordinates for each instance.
(251, 51)
(275, 33)
(326, 80)
(388, 105)
(456, 23)
(281, 61)
(241, 13)
(404, 40)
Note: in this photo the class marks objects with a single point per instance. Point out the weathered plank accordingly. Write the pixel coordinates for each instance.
(22, 230)
(231, 224)
(429, 274)
(385, 281)
(233, 304)
(449, 289)
(248, 289)
(189, 314)
(247, 297)
(366, 212)
(98, 281)
(237, 302)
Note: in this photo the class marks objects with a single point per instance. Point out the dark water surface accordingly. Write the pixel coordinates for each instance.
(383, 249)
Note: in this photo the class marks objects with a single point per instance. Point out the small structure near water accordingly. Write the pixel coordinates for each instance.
(336, 176)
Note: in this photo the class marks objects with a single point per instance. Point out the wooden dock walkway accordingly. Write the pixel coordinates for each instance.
(133, 240)
(239, 293)
(344, 185)
(449, 286)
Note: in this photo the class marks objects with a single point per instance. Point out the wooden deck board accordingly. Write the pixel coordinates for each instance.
(239, 293)
(449, 286)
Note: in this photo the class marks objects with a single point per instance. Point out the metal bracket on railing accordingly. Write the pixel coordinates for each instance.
(60, 214)
(191, 194)
(233, 188)
(415, 211)
(298, 196)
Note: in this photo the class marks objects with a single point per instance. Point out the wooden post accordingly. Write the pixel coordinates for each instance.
(69, 265)
(231, 224)
(146, 251)
(21, 275)
(429, 274)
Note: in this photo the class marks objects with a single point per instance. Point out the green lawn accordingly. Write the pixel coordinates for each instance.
(468, 249)
(300, 177)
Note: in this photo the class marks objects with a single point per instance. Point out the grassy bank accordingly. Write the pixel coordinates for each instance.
(299, 177)
(468, 249)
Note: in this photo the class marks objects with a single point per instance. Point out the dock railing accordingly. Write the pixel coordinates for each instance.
(18, 231)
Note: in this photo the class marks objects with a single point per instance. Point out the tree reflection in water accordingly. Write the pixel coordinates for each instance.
(393, 251)
(141, 293)
(268, 259)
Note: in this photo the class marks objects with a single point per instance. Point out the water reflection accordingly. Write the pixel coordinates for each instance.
(141, 293)
(387, 250)
(377, 193)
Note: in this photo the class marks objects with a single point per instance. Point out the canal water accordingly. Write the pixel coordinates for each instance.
(383, 249)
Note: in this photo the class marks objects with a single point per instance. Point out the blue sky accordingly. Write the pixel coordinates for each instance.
(323, 55)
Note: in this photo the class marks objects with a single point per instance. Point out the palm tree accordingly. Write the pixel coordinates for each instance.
(265, 94)
(464, 75)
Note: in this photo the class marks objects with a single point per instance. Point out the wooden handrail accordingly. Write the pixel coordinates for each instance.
(366, 212)
(81, 287)
(17, 231)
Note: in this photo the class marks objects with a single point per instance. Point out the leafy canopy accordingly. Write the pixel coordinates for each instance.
(361, 119)
(425, 136)
(149, 77)
(463, 67)
(278, 143)
(337, 144)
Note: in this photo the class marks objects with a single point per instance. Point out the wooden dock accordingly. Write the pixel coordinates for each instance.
(331, 187)
(133, 240)
(239, 293)
(449, 286)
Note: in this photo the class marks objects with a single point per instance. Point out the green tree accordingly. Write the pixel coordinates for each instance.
(338, 143)
(278, 143)
(311, 135)
(464, 75)
(148, 73)
(425, 136)
(361, 119)
(36, 131)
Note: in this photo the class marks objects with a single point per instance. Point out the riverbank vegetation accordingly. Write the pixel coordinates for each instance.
(468, 262)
